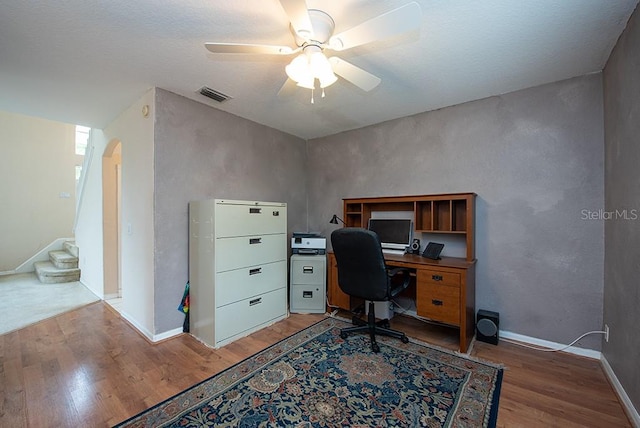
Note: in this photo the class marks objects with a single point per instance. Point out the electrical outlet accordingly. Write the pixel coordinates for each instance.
(606, 333)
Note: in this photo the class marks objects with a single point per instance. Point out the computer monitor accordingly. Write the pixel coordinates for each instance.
(394, 234)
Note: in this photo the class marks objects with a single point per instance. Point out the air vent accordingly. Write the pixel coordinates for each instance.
(213, 94)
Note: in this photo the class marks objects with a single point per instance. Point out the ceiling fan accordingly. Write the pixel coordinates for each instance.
(312, 30)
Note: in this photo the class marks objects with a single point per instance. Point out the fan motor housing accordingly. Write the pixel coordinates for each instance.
(323, 26)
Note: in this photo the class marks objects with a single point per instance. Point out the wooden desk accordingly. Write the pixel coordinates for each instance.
(445, 290)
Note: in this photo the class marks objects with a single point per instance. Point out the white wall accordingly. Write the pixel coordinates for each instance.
(136, 134)
(88, 231)
(37, 165)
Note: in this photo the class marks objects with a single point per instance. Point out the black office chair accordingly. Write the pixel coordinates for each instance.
(362, 273)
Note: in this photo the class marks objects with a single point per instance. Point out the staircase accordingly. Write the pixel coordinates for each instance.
(61, 267)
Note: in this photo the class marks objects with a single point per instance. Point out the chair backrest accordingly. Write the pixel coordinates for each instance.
(361, 268)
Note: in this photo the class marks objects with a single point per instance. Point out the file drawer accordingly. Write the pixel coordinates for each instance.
(240, 284)
(248, 314)
(308, 298)
(310, 270)
(242, 219)
(245, 251)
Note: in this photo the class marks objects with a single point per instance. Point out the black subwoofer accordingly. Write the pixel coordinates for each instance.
(487, 326)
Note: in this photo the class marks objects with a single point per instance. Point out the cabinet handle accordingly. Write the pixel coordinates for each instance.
(255, 210)
(255, 271)
(255, 301)
(436, 302)
(307, 294)
(276, 213)
(307, 269)
(436, 277)
(255, 241)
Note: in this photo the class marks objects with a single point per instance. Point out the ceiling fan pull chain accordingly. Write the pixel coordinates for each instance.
(322, 92)
(312, 97)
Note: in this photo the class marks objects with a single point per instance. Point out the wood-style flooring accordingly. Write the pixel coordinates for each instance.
(90, 368)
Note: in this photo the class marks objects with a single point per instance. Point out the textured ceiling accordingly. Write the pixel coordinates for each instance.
(85, 61)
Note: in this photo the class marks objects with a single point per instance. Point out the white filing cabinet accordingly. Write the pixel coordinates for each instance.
(237, 268)
(308, 285)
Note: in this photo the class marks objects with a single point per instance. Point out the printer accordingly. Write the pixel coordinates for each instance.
(308, 243)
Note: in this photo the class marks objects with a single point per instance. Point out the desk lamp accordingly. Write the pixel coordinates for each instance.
(334, 220)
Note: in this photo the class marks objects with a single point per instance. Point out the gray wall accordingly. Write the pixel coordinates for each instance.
(201, 153)
(535, 159)
(622, 237)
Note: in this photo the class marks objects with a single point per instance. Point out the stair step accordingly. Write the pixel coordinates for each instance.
(63, 260)
(71, 248)
(49, 274)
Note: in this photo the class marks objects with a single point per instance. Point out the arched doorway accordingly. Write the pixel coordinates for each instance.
(111, 193)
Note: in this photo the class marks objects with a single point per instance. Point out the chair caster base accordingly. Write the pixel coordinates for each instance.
(404, 339)
(375, 347)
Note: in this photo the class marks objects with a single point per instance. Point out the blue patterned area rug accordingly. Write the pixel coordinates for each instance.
(316, 379)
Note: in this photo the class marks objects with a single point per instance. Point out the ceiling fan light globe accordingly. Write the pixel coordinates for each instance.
(298, 69)
(319, 65)
(328, 80)
(309, 83)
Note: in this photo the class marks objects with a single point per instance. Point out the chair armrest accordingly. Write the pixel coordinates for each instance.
(406, 273)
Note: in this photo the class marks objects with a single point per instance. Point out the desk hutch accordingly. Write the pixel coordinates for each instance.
(445, 288)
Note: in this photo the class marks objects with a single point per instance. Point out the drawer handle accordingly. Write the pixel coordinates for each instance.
(276, 213)
(255, 241)
(255, 271)
(307, 269)
(436, 302)
(255, 301)
(307, 294)
(436, 277)
(255, 210)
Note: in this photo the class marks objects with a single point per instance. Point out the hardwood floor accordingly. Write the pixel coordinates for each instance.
(90, 368)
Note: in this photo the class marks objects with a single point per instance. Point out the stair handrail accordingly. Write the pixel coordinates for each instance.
(84, 173)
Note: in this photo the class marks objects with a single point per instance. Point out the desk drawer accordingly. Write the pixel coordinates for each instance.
(437, 277)
(439, 303)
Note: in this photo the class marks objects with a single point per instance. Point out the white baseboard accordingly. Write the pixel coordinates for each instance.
(8, 272)
(146, 333)
(632, 412)
(167, 334)
(96, 293)
(590, 353)
(42, 255)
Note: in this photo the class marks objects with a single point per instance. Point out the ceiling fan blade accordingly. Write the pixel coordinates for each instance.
(244, 48)
(298, 14)
(362, 79)
(389, 24)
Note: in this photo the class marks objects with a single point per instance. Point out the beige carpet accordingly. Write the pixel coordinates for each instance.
(24, 300)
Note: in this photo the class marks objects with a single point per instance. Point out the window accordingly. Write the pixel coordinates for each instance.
(82, 138)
